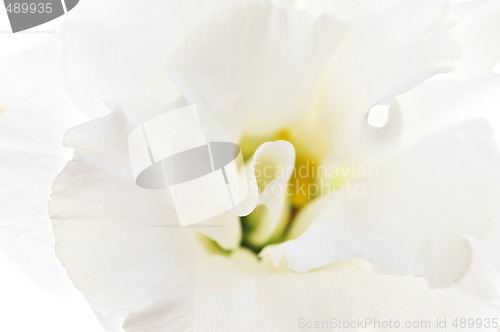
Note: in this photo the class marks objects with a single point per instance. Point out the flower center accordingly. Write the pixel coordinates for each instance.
(307, 181)
(300, 189)
(287, 192)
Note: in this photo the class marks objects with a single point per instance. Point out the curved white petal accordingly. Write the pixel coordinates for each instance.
(246, 296)
(34, 113)
(121, 244)
(415, 216)
(118, 47)
(479, 31)
(390, 47)
(259, 61)
(270, 170)
(482, 277)
(440, 102)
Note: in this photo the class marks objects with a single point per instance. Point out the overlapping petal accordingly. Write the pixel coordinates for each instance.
(270, 170)
(248, 296)
(255, 68)
(33, 118)
(117, 48)
(120, 244)
(479, 30)
(415, 216)
(389, 49)
(258, 60)
(445, 101)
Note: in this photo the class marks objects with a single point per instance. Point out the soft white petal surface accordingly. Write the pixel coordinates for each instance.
(414, 216)
(444, 101)
(34, 113)
(390, 47)
(122, 47)
(121, 244)
(259, 61)
(479, 32)
(248, 296)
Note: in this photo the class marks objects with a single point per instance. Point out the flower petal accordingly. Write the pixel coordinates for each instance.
(122, 47)
(409, 41)
(284, 301)
(479, 31)
(224, 229)
(441, 102)
(121, 244)
(270, 170)
(483, 276)
(414, 216)
(34, 113)
(258, 60)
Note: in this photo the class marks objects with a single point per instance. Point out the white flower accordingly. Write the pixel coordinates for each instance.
(263, 72)
(37, 294)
